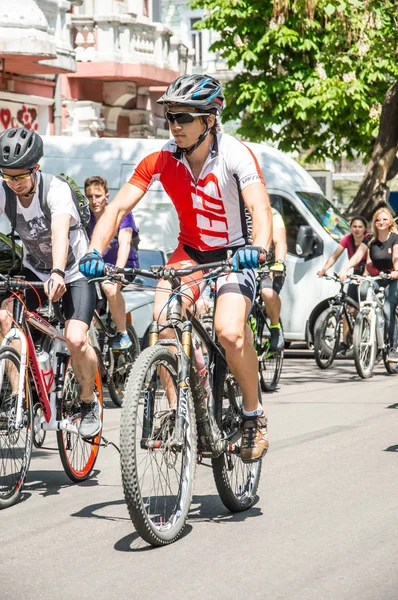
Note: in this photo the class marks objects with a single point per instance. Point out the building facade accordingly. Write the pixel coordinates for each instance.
(125, 58)
(35, 48)
(86, 67)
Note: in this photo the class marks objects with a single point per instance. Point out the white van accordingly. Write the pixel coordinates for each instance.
(292, 190)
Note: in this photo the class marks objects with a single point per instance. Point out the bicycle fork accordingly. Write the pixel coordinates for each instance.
(183, 384)
(370, 309)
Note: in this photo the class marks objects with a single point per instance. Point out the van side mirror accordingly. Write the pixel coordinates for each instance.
(304, 241)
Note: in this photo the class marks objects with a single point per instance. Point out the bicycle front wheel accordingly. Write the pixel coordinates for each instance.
(326, 338)
(158, 471)
(364, 346)
(123, 361)
(15, 441)
(236, 481)
(78, 455)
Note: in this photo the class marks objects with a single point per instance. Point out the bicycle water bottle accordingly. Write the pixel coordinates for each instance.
(46, 369)
(202, 369)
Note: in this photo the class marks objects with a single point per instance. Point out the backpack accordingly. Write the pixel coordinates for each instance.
(80, 200)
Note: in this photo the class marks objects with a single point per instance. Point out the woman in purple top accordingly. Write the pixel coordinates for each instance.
(121, 252)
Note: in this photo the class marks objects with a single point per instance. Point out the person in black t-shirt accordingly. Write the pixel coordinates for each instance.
(382, 256)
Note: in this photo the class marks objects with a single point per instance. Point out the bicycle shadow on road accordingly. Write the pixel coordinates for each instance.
(50, 483)
(342, 373)
(392, 448)
(209, 508)
(129, 543)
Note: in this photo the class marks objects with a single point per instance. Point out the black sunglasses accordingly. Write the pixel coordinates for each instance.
(184, 117)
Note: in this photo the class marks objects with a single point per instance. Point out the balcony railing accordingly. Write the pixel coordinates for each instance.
(35, 34)
(123, 39)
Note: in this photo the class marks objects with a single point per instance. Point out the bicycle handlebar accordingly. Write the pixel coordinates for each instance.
(15, 284)
(361, 278)
(334, 277)
(164, 272)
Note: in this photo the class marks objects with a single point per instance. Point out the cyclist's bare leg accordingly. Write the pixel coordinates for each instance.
(117, 305)
(272, 304)
(235, 336)
(84, 359)
(5, 326)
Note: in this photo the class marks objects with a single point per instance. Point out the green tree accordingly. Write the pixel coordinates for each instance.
(316, 75)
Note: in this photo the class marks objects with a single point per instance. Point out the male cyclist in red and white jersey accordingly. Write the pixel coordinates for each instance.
(210, 178)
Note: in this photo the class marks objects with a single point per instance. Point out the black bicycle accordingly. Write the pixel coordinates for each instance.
(175, 413)
(115, 365)
(328, 326)
(270, 362)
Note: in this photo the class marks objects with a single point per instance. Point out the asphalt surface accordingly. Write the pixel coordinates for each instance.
(325, 525)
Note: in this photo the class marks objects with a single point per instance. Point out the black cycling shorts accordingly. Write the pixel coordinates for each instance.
(78, 302)
(276, 283)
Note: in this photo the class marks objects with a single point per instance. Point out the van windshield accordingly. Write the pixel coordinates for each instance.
(330, 218)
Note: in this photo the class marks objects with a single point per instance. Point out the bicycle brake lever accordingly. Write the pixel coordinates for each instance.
(50, 302)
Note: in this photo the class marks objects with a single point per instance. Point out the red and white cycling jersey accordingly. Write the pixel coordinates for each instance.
(211, 208)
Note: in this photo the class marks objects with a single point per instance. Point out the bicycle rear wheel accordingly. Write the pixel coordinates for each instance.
(364, 346)
(270, 362)
(123, 361)
(78, 455)
(236, 481)
(158, 471)
(15, 444)
(326, 338)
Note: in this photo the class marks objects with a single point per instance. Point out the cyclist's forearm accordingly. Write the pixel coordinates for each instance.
(262, 226)
(122, 255)
(329, 263)
(107, 226)
(356, 259)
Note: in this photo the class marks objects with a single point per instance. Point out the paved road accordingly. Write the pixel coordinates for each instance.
(325, 526)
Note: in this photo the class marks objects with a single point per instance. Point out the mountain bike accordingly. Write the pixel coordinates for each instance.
(175, 414)
(371, 339)
(270, 362)
(33, 401)
(115, 365)
(329, 325)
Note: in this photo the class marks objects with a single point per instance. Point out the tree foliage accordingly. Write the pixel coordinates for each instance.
(313, 73)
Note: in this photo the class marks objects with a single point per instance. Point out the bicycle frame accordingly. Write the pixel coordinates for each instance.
(48, 402)
(369, 307)
(340, 302)
(209, 433)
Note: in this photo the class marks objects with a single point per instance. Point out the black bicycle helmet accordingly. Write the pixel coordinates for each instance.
(20, 148)
(199, 91)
